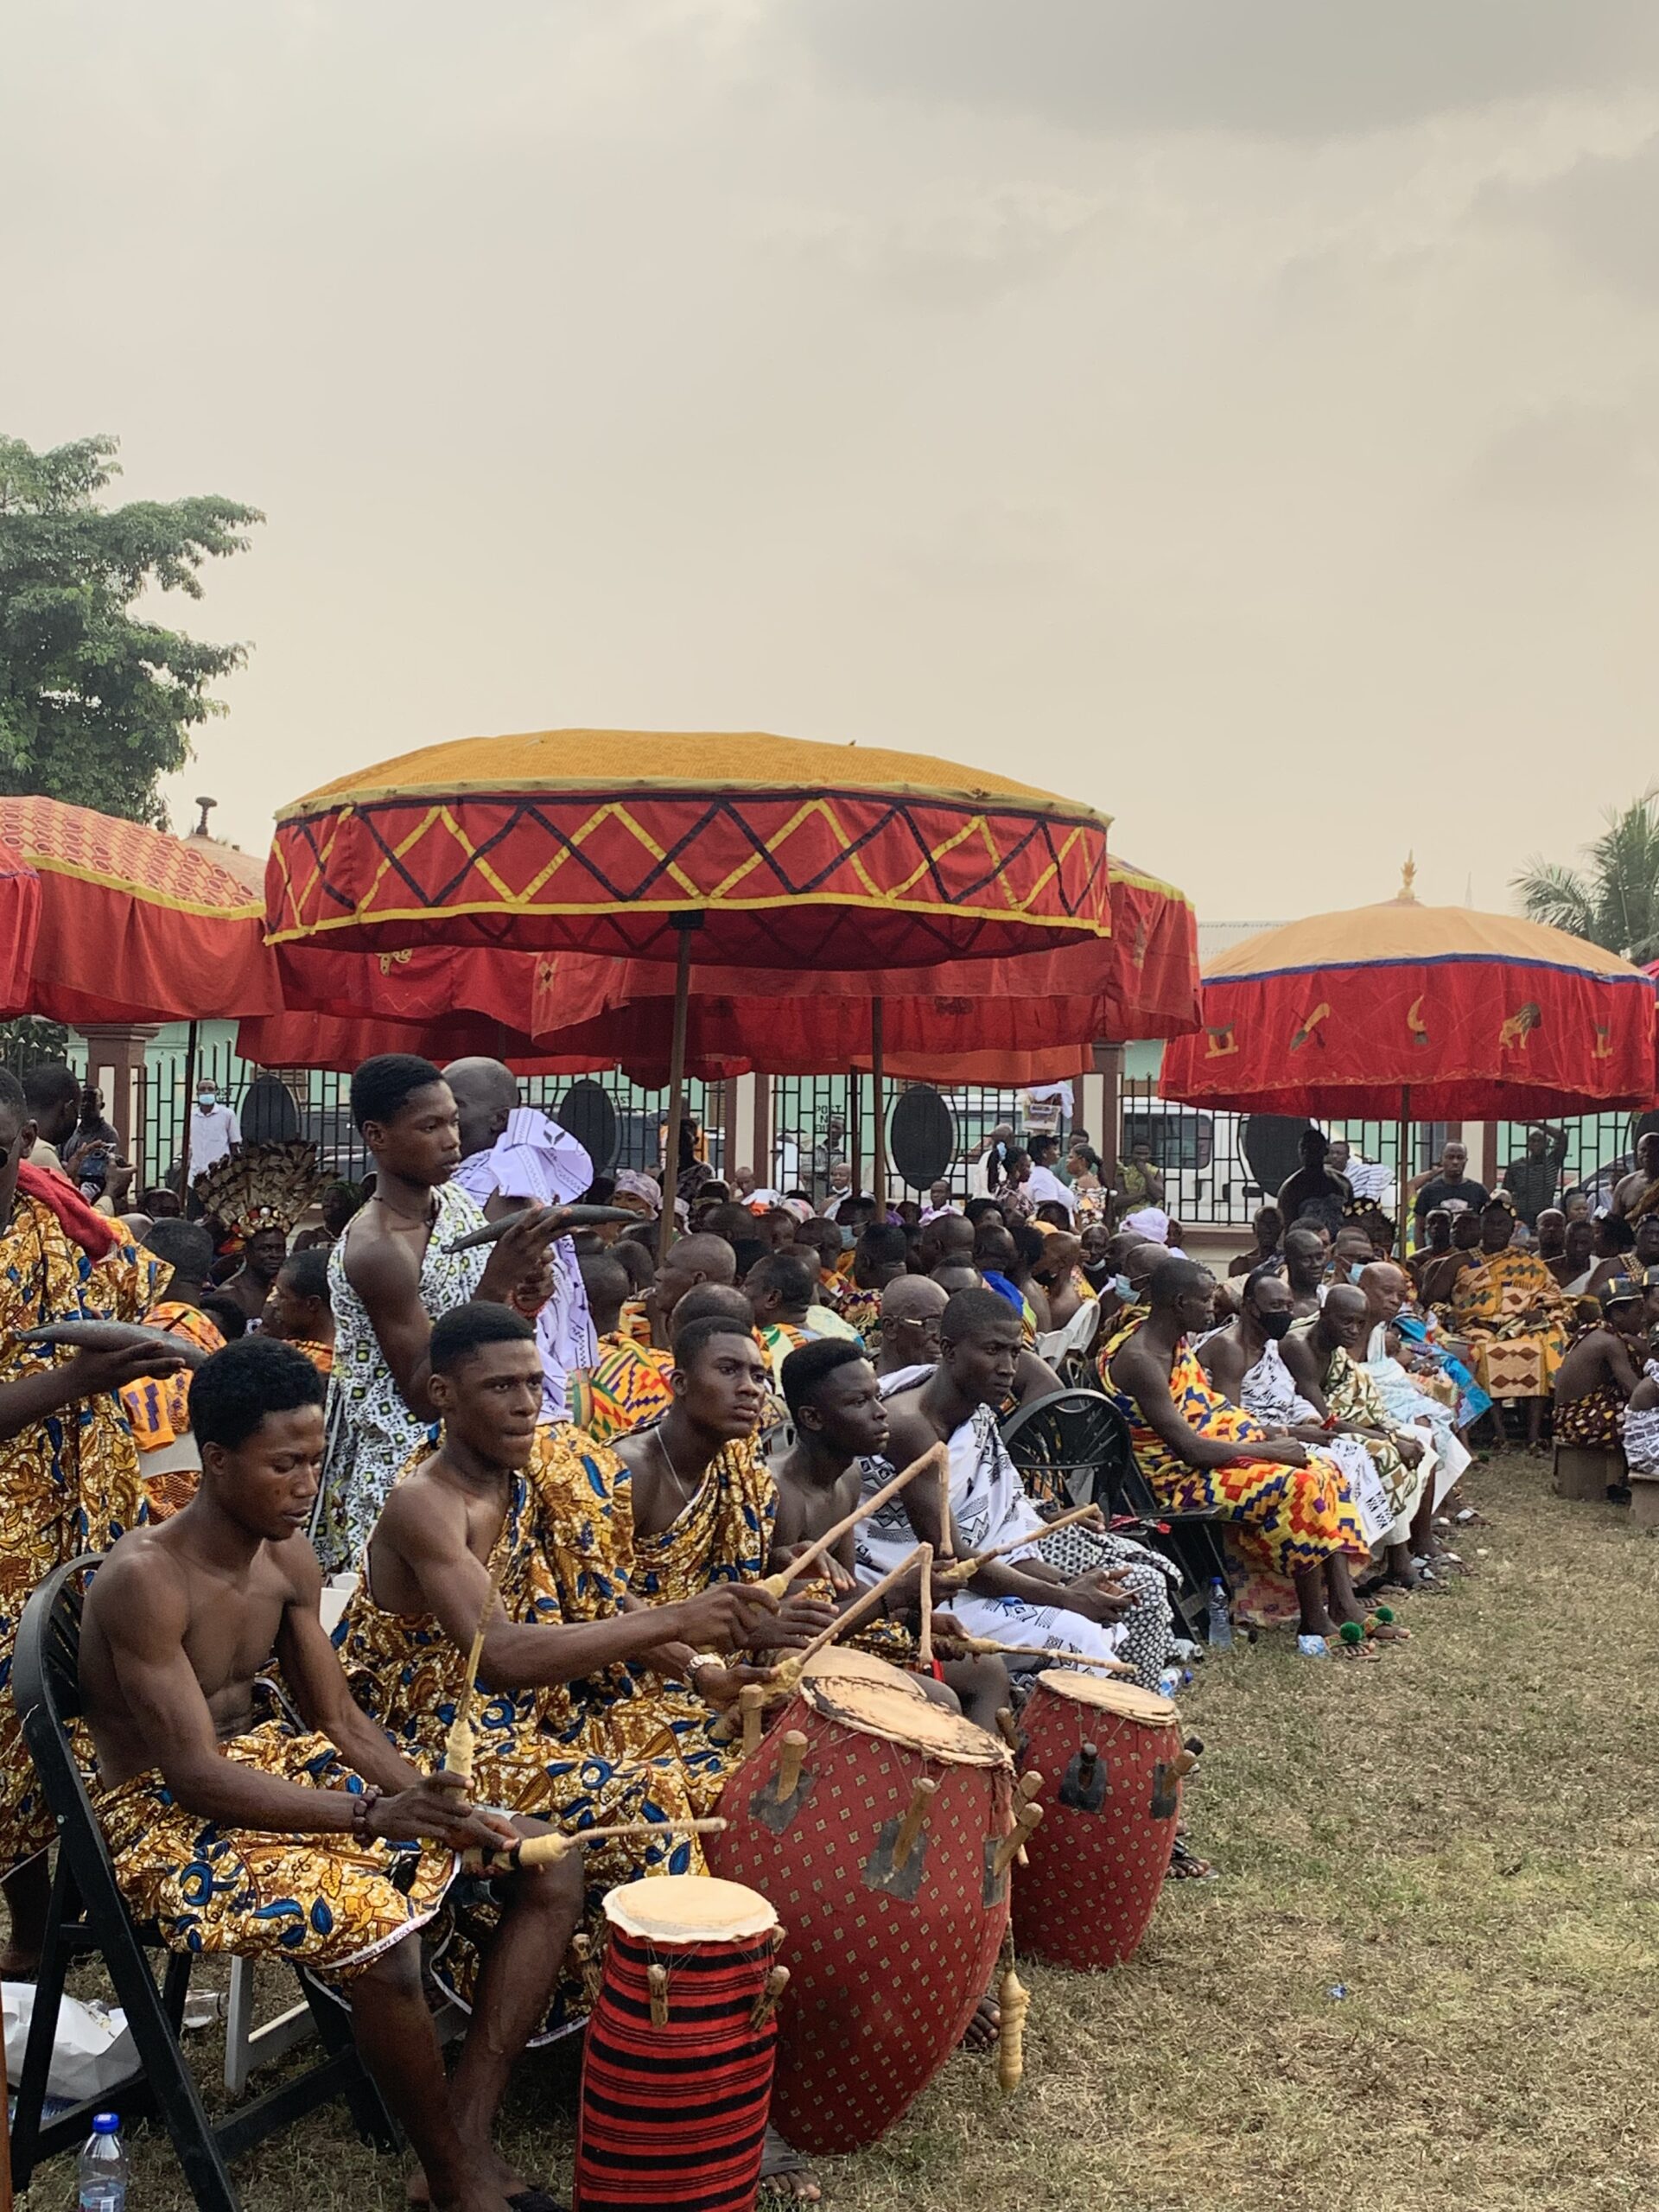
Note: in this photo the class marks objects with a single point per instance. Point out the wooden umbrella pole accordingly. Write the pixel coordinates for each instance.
(1402, 1203)
(779, 1583)
(963, 1570)
(878, 1054)
(190, 1044)
(684, 925)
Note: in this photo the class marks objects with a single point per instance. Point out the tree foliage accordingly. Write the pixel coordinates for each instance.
(1613, 900)
(96, 705)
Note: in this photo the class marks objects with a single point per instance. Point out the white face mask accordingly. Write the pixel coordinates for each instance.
(206, 1098)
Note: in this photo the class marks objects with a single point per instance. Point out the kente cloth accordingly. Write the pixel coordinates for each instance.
(70, 1483)
(330, 1903)
(1286, 1519)
(321, 1356)
(1440, 1277)
(587, 1753)
(1641, 1441)
(1593, 1422)
(778, 1339)
(721, 1535)
(634, 1322)
(535, 1160)
(1511, 1310)
(158, 1406)
(1647, 1203)
(626, 1387)
(371, 1432)
(825, 1321)
(1352, 1395)
(861, 1310)
(989, 1506)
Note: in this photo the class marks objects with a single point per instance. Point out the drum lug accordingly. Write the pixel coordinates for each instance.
(1083, 1786)
(996, 1883)
(778, 1813)
(882, 1872)
(1166, 1792)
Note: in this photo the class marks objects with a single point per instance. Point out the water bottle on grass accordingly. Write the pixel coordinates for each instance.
(1221, 1621)
(103, 2170)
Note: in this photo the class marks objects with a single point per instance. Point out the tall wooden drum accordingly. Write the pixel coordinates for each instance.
(876, 1823)
(677, 2068)
(1107, 1752)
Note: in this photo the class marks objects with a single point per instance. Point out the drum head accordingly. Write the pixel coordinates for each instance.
(922, 1137)
(585, 1110)
(689, 1909)
(1128, 1700)
(873, 1709)
(839, 1662)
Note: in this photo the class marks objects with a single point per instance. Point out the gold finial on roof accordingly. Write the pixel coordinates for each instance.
(1408, 896)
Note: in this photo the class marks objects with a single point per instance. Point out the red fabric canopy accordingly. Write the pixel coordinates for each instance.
(129, 925)
(1428, 1013)
(20, 922)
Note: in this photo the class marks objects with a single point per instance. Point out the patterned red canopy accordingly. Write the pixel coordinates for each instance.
(793, 854)
(129, 925)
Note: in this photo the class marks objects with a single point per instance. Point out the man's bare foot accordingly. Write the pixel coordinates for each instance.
(983, 2030)
(785, 2174)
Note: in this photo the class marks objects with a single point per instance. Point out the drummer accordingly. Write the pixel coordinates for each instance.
(835, 1401)
(1019, 1601)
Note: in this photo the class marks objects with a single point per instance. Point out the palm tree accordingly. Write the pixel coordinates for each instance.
(1614, 900)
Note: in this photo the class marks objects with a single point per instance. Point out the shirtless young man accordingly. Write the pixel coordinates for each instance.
(309, 1863)
(1306, 1253)
(1598, 1374)
(835, 1401)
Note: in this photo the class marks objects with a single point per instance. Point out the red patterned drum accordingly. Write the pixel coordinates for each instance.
(1107, 1752)
(676, 2067)
(872, 1820)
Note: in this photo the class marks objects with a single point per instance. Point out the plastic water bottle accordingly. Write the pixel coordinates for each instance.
(103, 2170)
(1221, 1621)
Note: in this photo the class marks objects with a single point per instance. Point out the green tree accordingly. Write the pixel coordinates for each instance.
(1614, 898)
(96, 706)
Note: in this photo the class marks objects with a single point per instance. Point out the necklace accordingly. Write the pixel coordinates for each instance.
(427, 1220)
(668, 1461)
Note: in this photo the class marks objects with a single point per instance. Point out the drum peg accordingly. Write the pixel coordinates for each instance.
(921, 1796)
(1005, 1728)
(1183, 1764)
(766, 2003)
(656, 1979)
(1029, 1786)
(750, 1701)
(789, 1763)
(588, 1967)
(724, 1728)
(1024, 1821)
(1195, 1745)
(1087, 1764)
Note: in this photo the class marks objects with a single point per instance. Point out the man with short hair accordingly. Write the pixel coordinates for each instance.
(92, 1131)
(1294, 1517)
(69, 1472)
(1532, 1181)
(1137, 1181)
(1267, 1227)
(52, 1095)
(1637, 1194)
(879, 1260)
(1600, 1370)
(691, 1259)
(1018, 1599)
(1407, 1366)
(779, 1290)
(1369, 1180)
(1450, 1184)
(1314, 1192)
(1398, 1458)
(1305, 1252)
(512, 1155)
(1628, 1261)
(524, 1527)
(1438, 1280)
(263, 1250)
(268, 1840)
(299, 1312)
(1574, 1264)
(211, 1129)
(1510, 1308)
(1436, 1227)
(939, 1199)
(389, 1276)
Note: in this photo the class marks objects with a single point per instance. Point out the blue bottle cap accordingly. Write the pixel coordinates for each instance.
(106, 2123)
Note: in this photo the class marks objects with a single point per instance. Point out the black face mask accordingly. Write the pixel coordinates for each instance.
(1274, 1325)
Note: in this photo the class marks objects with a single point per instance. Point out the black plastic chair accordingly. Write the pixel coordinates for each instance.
(88, 1918)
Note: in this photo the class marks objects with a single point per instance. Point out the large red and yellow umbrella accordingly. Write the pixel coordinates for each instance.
(734, 850)
(129, 925)
(1422, 1012)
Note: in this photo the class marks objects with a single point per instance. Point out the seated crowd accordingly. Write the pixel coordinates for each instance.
(600, 1455)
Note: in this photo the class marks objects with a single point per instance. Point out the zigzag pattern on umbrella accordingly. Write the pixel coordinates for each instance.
(369, 870)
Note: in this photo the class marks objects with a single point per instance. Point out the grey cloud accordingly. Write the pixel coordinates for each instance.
(1575, 454)
(961, 250)
(1603, 211)
(1286, 68)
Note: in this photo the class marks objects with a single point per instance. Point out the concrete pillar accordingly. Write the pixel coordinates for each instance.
(115, 1063)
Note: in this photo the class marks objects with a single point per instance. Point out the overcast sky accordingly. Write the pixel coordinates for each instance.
(1241, 414)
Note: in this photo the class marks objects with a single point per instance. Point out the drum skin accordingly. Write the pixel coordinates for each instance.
(886, 1967)
(1097, 1861)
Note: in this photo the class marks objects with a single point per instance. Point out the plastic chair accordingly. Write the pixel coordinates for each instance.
(88, 1918)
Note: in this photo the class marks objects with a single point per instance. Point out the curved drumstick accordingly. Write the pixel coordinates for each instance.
(545, 1850)
(462, 1741)
(963, 1570)
(779, 1583)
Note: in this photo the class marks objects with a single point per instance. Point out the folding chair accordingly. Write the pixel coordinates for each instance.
(88, 1918)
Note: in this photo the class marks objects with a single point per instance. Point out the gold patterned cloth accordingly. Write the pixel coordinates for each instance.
(627, 1386)
(590, 1753)
(1511, 1309)
(69, 1484)
(326, 1902)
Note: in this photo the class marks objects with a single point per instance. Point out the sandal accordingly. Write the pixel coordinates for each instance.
(779, 2167)
(1186, 1865)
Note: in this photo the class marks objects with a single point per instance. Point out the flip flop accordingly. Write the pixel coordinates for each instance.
(778, 2162)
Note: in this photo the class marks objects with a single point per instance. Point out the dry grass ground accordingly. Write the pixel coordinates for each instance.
(1464, 1836)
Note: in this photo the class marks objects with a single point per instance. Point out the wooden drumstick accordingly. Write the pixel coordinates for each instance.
(856, 1612)
(1028, 1651)
(924, 1641)
(1024, 1821)
(1007, 1727)
(766, 2003)
(790, 1762)
(751, 1699)
(461, 1744)
(545, 1850)
(922, 1792)
(1013, 2002)
(657, 1980)
(947, 1533)
(779, 1583)
(964, 1569)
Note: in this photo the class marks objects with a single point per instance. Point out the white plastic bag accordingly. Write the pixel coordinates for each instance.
(93, 2049)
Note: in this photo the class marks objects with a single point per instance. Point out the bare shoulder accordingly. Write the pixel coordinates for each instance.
(375, 1262)
(300, 1569)
(632, 1450)
(143, 1579)
(910, 1433)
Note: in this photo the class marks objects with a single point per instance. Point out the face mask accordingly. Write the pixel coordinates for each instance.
(1125, 1289)
(1356, 1268)
(206, 1098)
(1275, 1324)
(847, 1240)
